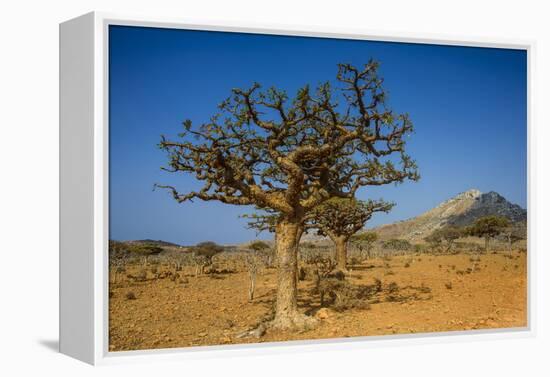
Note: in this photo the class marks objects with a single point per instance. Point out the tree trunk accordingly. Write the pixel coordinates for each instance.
(486, 245)
(341, 253)
(252, 286)
(287, 316)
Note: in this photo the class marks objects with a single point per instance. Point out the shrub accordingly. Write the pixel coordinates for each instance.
(424, 289)
(393, 287)
(258, 246)
(397, 244)
(340, 295)
(449, 285)
(207, 249)
(301, 274)
(141, 275)
(130, 296)
(377, 285)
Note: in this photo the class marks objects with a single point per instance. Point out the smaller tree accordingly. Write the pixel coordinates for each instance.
(255, 261)
(514, 233)
(203, 253)
(118, 256)
(397, 244)
(262, 248)
(340, 219)
(445, 237)
(488, 227)
(364, 242)
(144, 251)
(258, 246)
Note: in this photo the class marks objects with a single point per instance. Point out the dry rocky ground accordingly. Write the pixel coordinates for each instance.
(433, 293)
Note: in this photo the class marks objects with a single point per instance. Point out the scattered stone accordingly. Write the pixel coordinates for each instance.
(322, 313)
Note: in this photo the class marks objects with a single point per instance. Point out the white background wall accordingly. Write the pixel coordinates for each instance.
(29, 184)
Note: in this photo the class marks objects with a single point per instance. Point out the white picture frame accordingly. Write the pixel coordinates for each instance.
(84, 157)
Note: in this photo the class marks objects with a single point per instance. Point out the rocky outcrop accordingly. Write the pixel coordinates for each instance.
(460, 210)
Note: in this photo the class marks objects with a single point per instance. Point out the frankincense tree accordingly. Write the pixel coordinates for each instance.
(266, 150)
(340, 219)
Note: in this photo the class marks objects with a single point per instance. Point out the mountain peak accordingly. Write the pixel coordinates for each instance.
(460, 210)
(472, 193)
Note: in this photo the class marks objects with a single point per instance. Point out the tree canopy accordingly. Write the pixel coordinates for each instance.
(488, 226)
(445, 236)
(207, 249)
(265, 150)
(344, 217)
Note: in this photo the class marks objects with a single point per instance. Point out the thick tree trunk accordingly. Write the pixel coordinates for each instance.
(287, 316)
(341, 253)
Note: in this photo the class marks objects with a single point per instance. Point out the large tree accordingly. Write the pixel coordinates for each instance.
(340, 219)
(290, 156)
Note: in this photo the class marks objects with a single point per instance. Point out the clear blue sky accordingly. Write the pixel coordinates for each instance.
(468, 106)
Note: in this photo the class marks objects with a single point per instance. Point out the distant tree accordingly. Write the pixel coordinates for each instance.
(488, 227)
(397, 244)
(255, 261)
(258, 245)
(364, 241)
(204, 252)
(340, 219)
(292, 155)
(117, 249)
(144, 251)
(445, 237)
(264, 250)
(514, 233)
(118, 252)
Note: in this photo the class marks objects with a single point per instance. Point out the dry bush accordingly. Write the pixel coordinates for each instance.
(377, 285)
(130, 296)
(340, 295)
(142, 275)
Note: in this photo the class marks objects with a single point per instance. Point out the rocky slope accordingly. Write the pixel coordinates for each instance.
(461, 210)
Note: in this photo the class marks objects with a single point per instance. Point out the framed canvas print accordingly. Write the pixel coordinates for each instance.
(234, 189)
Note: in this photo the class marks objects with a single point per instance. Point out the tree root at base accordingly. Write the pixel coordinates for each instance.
(297, 322)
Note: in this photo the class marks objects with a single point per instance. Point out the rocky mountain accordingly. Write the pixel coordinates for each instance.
(461, 210)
